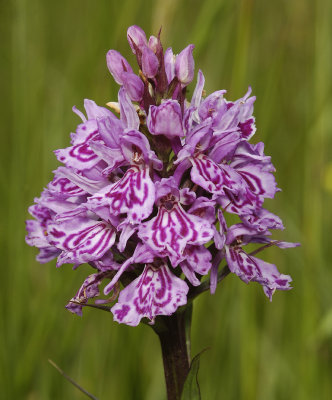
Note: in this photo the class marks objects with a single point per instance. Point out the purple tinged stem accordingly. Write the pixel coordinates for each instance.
(174, 336)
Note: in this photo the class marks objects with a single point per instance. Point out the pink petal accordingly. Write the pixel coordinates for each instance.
(156, 292)
(171, 230)
(215, 177)
(82, 239)
(249, 268)
(133, 194)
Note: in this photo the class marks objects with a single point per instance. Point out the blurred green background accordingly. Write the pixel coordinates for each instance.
(52, 57)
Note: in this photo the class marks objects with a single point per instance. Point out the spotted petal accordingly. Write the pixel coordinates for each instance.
(84, 132)
(61, 186)
(197, 260)
(81, 239)
(88, 290)
(249, 268)
(156, 292)
(80, 156)
(247, 128)
(86, 184)
(215, 177)
(263, 220)
(47, 254)
(247, 153)
(260, 182)
(133, 194)
(36, 234)
(171, 230)
(41, 213)
(245, 203)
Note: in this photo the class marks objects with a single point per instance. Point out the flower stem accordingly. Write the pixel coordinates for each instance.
(174, 336)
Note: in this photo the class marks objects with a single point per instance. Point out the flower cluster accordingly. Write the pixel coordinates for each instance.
(143, 197)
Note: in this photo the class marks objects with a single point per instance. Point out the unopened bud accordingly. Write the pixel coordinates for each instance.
(169, 60)
(133, 85)
(153, 43)
(136, 38)
(185, 65)
(117, 65)
(150, 63)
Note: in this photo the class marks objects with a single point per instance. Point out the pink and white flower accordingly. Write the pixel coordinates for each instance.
(143, 197)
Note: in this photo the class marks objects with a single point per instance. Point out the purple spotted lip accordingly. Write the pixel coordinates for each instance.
(145, 190)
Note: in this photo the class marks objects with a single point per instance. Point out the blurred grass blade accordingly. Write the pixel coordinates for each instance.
(72, 381)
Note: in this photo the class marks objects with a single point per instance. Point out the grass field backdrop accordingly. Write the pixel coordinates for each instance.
(52, 57)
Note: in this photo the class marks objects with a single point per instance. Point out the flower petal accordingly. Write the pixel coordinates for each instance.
(156, 292)
(36, 234)
(94, 112)
(169, 60)
(249, 268)
(263, 220)
(247, 153)
(171, 230)
(113, 157)
(88, 185)
(185, 65)
(88, 290)
(212, 105)
(224, 145)
(46, 254)
(150, 63)
(133, 194)
(127, 230)
(81, 239)
(84, 132)
(197, 260)
(136, 149)
(63, 187)
(260, 182)
(136, 38)
(244, 203)
(166, 119)
(134, 86)
(79, 157)
(128, 114)
(197, 95)
(215, 177)
(117, 64)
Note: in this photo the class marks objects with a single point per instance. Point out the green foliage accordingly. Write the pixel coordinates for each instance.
(53, 56)
(191, 389)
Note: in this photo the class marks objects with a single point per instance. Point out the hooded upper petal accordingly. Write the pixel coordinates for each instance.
(166, 119)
